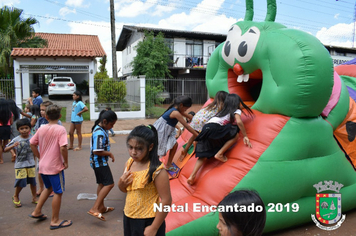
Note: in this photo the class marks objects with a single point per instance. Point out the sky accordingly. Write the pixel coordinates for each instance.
(331, 21)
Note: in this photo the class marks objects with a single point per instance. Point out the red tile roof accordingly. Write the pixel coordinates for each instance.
(64, 45)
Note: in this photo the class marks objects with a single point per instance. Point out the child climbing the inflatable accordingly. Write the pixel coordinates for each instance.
(220, 133)
(165, 127)
(203, 116)
(146, 184)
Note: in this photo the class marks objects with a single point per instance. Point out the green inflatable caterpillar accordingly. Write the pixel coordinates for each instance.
(301, 108)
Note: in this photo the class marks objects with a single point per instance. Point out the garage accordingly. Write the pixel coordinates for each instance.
(67, 55)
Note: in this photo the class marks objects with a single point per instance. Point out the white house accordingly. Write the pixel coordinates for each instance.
(70, 55)
(341, 55)
(192, 50)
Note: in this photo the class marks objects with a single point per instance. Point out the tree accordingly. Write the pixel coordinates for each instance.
(108, 90)
(153, 57)
(100, 76)
(16, 31)
(102, 66)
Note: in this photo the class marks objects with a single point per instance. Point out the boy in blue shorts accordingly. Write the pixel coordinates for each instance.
(24, 162)
(53, 156)
(42, 121)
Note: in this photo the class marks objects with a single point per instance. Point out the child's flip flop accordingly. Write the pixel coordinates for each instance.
(61, 225)
(97, 215)
(172, 169)
(40, 217)
(108, 209)
(17, 204)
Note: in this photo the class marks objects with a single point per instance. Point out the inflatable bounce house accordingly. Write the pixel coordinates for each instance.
(302, 132)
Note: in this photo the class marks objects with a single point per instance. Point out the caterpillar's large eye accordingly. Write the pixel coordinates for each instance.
(227, 48)
(242, 50)
(240, 47)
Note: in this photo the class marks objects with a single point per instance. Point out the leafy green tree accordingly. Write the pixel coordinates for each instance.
(153, 57)
(16, 31)
(102, 66)
(100, 76)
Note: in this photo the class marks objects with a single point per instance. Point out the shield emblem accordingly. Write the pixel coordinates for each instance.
(328, 208)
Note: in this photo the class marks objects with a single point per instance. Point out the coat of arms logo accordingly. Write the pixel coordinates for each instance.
(328, 206)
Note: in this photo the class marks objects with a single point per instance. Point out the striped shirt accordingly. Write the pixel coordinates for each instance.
(99, 142)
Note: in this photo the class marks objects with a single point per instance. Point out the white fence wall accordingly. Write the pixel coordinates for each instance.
(135, 98)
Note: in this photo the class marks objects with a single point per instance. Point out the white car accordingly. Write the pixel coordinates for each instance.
(61, 86)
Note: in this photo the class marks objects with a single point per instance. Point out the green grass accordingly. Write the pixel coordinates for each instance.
(86, 115)
(154, 112)
(63, 113)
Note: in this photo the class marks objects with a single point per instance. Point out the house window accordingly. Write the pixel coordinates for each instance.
(170, 43)
(339, 53)
(194, 53)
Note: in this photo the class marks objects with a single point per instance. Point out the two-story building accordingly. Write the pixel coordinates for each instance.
(191, 49)
(341, 55)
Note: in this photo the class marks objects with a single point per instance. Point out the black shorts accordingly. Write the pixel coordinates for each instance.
(136, 227)
(5, 132)
(103, 175)
(212, 138)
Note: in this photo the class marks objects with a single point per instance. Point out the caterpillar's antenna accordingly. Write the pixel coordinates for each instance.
(271, 10)
(249, 10)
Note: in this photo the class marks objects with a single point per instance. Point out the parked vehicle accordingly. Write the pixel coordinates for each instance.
(61, 86)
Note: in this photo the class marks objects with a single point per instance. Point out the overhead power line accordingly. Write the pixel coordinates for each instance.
(80, 11)
(238, 9)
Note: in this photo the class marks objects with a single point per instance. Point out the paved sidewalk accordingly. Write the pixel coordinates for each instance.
(121, 126)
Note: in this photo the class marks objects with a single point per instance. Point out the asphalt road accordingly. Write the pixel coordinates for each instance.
(80, 179)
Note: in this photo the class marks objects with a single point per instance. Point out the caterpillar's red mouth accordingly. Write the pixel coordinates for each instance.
(248, 90)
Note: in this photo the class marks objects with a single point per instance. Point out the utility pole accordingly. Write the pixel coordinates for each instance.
(353, 30)
(113, 38)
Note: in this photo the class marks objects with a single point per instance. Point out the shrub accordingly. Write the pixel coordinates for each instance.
(99, 78)
(152, 97)
(111, 91)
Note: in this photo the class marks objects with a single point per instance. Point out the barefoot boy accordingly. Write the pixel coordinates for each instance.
(53, 156)
(24, 162)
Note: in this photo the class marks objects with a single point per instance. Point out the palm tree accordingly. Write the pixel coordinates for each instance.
(16, 31)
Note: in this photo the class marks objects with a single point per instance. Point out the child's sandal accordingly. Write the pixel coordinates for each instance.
(17, 204)
(172, 168)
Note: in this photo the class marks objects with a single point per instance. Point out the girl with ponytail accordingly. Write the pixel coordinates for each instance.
(146, 184)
